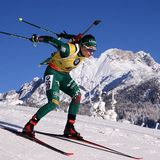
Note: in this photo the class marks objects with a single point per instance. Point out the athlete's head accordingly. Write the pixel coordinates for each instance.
(88, 45)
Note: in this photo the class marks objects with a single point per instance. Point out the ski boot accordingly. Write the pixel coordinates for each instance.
(70, 130)
(28, 129)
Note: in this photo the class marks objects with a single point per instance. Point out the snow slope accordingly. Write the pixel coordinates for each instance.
(127, 138)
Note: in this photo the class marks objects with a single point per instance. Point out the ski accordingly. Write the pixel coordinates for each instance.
(96, 145)
(104, 147)
(36, 140)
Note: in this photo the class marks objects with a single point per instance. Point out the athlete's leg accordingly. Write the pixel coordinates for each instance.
(70, 87)
(52, 91)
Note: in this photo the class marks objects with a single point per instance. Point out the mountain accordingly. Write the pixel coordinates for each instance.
(134, 78)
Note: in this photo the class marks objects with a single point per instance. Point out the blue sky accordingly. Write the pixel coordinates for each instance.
(126, 24)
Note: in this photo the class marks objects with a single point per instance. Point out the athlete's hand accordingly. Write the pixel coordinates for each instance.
(34, 38)
(65, 35)
(78, 37)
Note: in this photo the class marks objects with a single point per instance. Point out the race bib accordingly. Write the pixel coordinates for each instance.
(49, 81)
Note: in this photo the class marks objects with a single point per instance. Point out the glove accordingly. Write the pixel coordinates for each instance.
(78, 37)
(61, 35)
(65, 35)
(34, 38)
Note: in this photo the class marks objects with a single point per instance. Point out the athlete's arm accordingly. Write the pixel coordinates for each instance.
(61, 46)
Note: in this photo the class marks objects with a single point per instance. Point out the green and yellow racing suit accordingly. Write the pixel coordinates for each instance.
(57, 75)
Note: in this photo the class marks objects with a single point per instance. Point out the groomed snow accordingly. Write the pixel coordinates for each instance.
(127, 138)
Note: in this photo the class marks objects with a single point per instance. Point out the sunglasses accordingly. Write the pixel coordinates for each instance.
(90, 49)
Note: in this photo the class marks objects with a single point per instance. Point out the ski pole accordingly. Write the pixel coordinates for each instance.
(80, 35)
(15, 35)
(36, 26)
(95, 23)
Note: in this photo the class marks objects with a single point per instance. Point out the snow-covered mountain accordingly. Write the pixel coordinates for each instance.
(134, 77)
